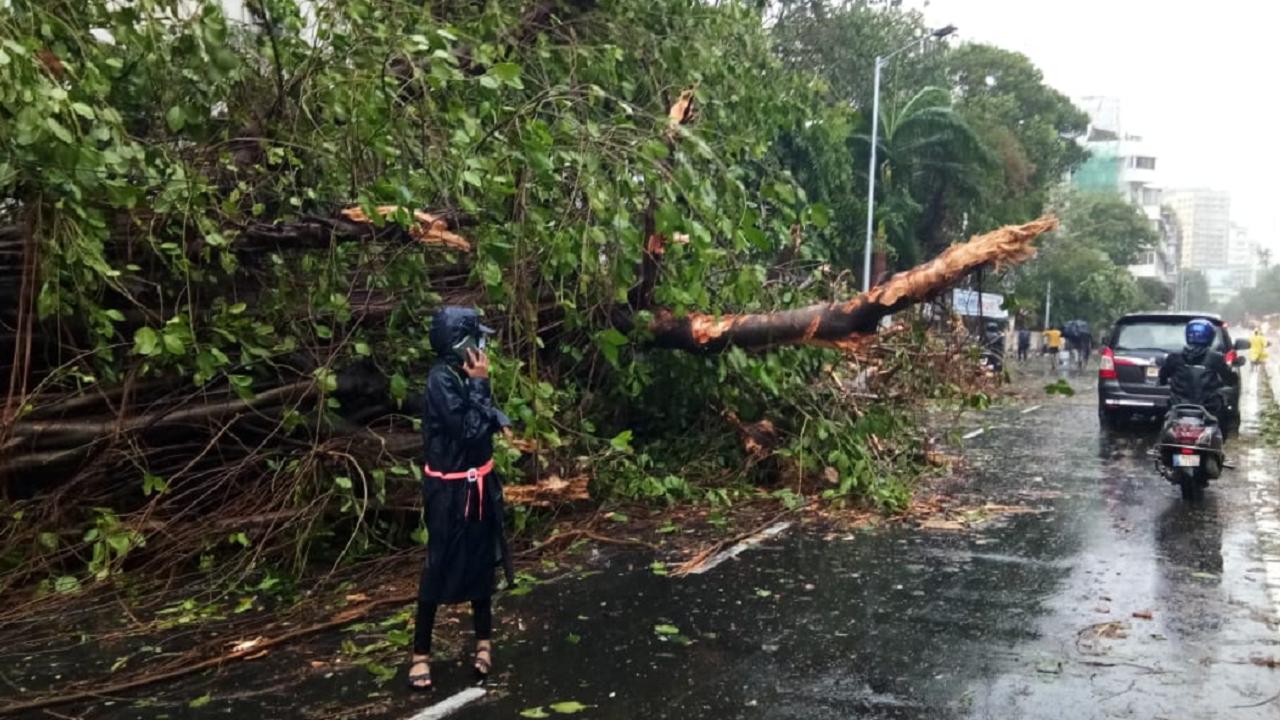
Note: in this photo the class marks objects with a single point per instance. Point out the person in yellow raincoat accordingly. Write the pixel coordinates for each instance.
(1258, 347)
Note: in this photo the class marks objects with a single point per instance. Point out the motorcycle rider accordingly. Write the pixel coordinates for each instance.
(1198, 374)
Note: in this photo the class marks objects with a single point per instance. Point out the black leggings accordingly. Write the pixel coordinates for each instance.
(481, 618)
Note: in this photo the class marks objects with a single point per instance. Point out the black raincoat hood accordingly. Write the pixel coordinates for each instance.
(1195, 354)
(450, 326)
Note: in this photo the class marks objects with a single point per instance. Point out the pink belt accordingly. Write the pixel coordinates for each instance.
(473, 476)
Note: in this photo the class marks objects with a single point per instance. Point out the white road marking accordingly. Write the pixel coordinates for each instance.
(1263, 496)
(974, 434)
(449, 705)
(1032, 409)
(739, 548)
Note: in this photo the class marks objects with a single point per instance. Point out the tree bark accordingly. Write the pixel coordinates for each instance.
(840, 324)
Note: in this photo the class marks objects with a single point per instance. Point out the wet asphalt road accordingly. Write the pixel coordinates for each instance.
(1116, 600)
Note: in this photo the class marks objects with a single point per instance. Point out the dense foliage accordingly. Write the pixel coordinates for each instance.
(1086, 266)
(157, 159)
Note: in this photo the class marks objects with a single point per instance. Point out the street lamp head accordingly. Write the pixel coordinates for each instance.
(943, 32)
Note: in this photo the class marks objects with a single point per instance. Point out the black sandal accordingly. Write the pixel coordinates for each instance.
(420, 681)
(484, 658)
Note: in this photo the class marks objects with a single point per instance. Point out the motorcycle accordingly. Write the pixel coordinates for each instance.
(991, 360)
(1189, 453)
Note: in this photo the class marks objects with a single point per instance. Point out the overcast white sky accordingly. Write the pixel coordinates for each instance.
(1199, 79)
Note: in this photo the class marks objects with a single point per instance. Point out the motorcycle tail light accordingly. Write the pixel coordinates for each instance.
(1107, 365)
(1187, 433)
(1230, 357)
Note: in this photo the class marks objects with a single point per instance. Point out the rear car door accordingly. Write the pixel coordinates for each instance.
(1140, 347)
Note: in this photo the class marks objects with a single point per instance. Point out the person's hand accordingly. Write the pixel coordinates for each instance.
(476, 364)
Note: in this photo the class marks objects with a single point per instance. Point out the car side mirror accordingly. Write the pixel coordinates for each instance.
(1242, 344)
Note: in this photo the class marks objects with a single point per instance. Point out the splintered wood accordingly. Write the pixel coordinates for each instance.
(846, 324)
(427, 229)
(548, 493)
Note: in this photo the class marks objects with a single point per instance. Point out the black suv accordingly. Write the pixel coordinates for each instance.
(1131, 360)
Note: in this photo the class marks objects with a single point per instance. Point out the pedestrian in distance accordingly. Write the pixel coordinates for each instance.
(461, 493)
(1258, 347)
(1024, 344)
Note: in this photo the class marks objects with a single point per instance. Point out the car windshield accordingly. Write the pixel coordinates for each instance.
(1163, 336)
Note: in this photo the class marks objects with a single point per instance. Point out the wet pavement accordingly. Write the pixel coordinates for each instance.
(1116, 600)
(1106, 597)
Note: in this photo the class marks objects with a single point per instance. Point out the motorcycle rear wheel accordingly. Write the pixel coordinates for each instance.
(1192, 486)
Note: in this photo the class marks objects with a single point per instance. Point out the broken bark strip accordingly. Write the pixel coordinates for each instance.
(840, 324)
(317, 231)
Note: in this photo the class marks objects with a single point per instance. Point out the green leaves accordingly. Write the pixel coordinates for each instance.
(146, 341)
(567, 707)
(59, 130)
(507, 73)
(175, 118)
(609, 341)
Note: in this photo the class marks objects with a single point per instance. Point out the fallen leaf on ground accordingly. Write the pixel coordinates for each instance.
(937, 524)
(1267, 662)
(568, 707)
(1144, 615)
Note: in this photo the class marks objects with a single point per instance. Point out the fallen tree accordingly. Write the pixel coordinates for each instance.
(220, 263)
(837, 324)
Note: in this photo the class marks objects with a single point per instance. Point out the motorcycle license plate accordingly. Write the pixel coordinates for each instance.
(1153, 372)
(1186, 461)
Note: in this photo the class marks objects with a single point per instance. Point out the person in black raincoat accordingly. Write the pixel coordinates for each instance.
(461, 493)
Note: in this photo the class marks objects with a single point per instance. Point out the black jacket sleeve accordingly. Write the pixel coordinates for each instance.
(1171, 364)
(1219, 365)
(464, 408)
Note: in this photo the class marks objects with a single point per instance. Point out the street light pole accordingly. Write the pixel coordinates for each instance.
(871, 177)
(881, 61)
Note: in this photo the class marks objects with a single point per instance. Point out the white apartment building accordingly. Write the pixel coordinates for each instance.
(1205, 219)
(1127, 164)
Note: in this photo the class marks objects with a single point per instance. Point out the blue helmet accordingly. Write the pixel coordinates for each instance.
(1200, 332)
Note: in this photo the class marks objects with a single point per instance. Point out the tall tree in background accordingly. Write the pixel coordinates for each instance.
(1031, 127)
(1086, 265)
(927, 154)
(1000, 139)
(1109, 223)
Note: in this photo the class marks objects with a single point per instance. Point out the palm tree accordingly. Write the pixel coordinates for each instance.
(930, 156)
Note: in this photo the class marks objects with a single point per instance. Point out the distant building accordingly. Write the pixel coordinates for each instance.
(1242, 258)
(1125, 164)
(1205, 219)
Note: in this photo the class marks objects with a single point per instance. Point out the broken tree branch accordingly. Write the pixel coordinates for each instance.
(840, 324)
